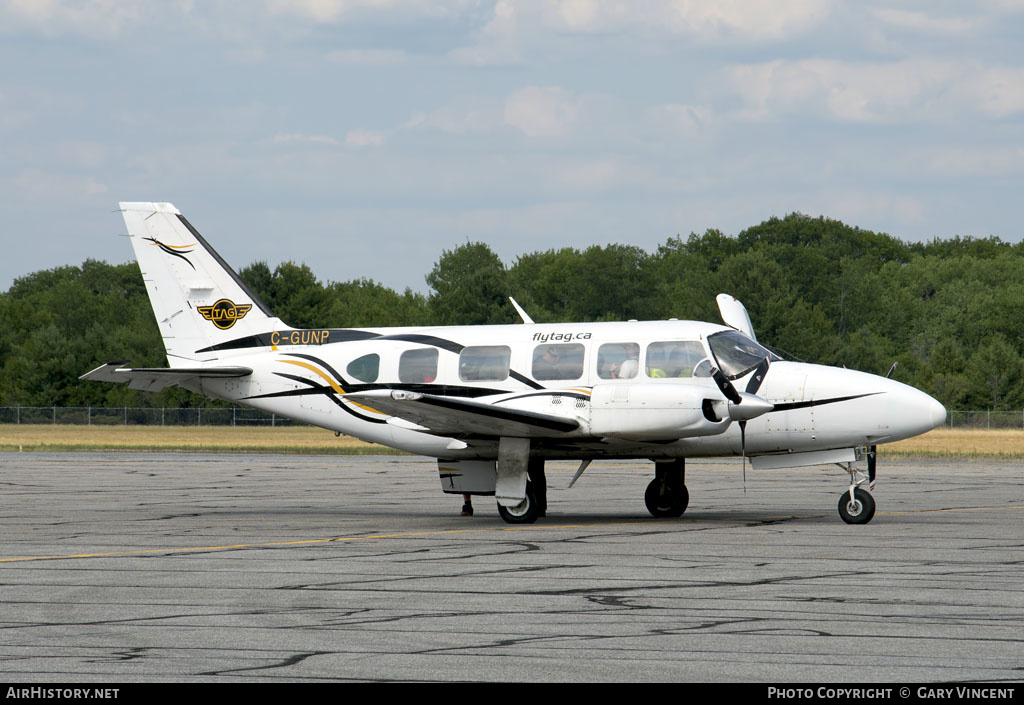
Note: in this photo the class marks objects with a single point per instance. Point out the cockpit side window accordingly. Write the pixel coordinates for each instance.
(737, 354)
(365, 368)
(673, 358)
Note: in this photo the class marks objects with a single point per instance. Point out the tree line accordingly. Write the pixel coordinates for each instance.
(949, 311)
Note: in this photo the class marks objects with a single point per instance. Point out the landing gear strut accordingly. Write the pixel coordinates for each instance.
(666, 495)
(535, 503)
(856, 505)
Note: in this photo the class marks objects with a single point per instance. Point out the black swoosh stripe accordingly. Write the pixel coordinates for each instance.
(789, 406)
(430, 340)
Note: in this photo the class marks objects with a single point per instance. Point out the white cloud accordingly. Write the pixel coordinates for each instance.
(912, 90)
(316, 139)
(462, 116)
(517, 31)
(589, 176)
(998, 92)
(102, 19)
(358, 138)
(686, 120)
(498, 42)
(704, 19)
(37, 186)
(369, 57)
(364, 138)
(755, 20)
(332, 11)
(923, 22)
(866, 206)
(541, 111)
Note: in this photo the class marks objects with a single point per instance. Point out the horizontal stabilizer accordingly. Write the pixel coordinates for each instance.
(456, 416)
(153, 379)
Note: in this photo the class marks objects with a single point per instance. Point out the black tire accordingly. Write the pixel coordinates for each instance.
(663, 500)
(524, 513)
(860, 510)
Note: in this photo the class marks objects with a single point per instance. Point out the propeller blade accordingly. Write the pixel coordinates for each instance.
(872, 466)
(743, 452)
(757, 378)
(725, 386)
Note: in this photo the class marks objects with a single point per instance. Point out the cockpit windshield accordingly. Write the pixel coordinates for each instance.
(737, 354)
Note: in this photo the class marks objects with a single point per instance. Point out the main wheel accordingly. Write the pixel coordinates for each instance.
(526, 512)
(860, 510)
(663, 500)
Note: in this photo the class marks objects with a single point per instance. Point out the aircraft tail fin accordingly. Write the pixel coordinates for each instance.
(201, 304)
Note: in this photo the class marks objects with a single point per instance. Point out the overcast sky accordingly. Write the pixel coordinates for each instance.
(363, 137)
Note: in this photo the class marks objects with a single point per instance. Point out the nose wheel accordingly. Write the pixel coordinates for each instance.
(857, 505)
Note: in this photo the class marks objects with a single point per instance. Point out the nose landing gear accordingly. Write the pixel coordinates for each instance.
(857, 505)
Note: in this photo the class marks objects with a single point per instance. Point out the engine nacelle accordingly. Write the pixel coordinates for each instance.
(655, 411)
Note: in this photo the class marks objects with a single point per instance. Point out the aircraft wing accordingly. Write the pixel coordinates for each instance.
(153, 379)
(456, 416)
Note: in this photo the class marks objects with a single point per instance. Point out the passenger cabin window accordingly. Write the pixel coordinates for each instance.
(558, 361)
(618, 360)
(365, 368)
(418, 366)
(484, 363)
(673, 358)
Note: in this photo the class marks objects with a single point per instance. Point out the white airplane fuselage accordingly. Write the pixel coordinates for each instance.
(849, 408)
(492, 403)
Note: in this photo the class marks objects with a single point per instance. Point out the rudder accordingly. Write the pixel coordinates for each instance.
(199, 301)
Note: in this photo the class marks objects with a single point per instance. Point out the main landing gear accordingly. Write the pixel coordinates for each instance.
(666, 495)
(535, 504)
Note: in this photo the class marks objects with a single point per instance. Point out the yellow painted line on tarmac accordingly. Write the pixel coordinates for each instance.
(956, 509)
(309, 542)
(449, 532)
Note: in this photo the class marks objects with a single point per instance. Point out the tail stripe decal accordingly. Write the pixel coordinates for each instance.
(172, 250)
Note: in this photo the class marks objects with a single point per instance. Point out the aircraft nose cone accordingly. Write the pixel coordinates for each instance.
(937, 412)
(919, 412)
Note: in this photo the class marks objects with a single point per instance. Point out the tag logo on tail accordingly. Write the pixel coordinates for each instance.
(224, 313)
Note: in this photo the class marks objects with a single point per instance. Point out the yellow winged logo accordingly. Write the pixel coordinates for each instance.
(224, 313)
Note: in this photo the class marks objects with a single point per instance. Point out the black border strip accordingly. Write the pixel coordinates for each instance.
(220, 260)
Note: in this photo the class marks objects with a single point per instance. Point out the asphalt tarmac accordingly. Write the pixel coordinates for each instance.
(181, 567)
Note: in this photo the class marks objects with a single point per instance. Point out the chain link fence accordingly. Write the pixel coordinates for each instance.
(243, 416)
(139, 416)
(986, 419)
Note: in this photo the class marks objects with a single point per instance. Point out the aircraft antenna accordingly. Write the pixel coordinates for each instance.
(519, 309)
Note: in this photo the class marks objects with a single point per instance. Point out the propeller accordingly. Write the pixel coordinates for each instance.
(744, 406)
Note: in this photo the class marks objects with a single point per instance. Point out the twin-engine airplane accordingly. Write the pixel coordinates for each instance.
(493, 403)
